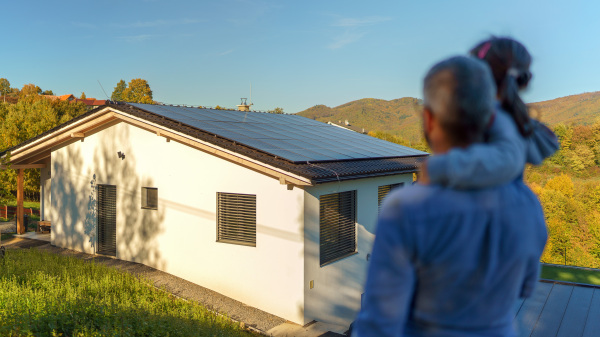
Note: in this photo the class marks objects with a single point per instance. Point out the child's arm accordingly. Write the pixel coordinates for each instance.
(541, 144)
(500, 160)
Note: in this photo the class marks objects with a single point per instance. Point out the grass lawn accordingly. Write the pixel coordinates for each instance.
(571, 274)
(43, 294)
(26, 204)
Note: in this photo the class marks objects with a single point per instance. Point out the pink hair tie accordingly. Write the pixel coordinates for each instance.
(484, 49)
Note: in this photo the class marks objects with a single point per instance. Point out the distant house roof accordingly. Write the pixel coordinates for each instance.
(349, 127)
(68, 97)
(304, 147)
(72, 98)
(91, 101)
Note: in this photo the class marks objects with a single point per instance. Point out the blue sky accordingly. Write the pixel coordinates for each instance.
(296, 54)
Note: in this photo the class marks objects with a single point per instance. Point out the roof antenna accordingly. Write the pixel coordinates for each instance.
(108, 98)
(246, 105)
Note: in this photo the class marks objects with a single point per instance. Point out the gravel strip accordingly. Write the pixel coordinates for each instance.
(212, 300)
(8, 227)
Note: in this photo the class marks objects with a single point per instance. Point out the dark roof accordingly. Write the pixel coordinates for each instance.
(316, 171)
(291, 137)
(559, 309)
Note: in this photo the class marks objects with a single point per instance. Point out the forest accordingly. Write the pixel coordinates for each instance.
(568, 186)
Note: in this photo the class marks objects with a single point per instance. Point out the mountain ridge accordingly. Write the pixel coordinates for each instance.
(401, 116)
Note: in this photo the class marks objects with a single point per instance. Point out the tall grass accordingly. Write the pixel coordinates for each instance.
(43, 294)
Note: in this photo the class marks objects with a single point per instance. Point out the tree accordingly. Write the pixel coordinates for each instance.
(6, 180)
(138, 91)
(117, 94)
(563, 184)
(23, 120)
(47, 92)
(30, 90)
(4, 87)
(277, 110)
(581, 158)
(82, 95)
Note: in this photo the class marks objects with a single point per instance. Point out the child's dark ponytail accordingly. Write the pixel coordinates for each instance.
(509, 62)
(508, 94)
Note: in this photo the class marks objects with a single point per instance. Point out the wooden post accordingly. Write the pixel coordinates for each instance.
(20, 221)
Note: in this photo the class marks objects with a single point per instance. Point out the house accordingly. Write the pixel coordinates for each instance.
(349, 127)
(68, 97)
(92, 103)
(274, 210)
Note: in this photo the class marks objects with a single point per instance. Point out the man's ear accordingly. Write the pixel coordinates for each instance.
(427, 120)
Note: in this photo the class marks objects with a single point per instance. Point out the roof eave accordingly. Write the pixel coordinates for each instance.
(362, 176)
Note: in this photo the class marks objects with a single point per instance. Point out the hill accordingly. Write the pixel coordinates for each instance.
(582, 109)
(401, 116)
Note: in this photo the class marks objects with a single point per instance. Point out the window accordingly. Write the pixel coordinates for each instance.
(337, 220)
(236, 218)
(149, 198)
(107, 219)
(383, 191)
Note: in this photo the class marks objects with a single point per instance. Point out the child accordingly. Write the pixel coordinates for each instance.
(513, 138)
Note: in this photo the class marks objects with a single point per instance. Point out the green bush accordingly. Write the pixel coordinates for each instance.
(43, 294)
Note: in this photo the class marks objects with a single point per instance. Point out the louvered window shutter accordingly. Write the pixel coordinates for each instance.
(383, 191)
(337, 219)
(236, 218)
(107, 219)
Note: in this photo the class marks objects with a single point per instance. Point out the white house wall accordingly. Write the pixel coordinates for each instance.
(180, 237)
(337, 287)
(45, 181)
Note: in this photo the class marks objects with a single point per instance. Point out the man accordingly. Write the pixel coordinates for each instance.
(449, 262)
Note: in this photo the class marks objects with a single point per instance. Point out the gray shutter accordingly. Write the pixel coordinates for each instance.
(337, 232)
(107, 220)
(236, 218)
(383, 191)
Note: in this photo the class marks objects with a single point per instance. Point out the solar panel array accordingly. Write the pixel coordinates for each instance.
(295, 138)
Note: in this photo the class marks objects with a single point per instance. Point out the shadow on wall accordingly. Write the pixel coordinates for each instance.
(75, 198)
(91, 215)
(68, 201)
(137, 228)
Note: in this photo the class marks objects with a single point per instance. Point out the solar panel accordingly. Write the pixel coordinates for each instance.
(291, 137)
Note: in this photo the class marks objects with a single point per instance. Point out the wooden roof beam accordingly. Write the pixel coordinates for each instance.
(49, 142)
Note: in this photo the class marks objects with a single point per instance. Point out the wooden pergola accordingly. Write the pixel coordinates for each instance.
(20, 213)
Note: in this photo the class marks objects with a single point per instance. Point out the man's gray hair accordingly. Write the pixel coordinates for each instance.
(460, 92)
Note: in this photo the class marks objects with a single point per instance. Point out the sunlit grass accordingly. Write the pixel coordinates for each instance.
(44, 294)
(571, 274)
(26, 204)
